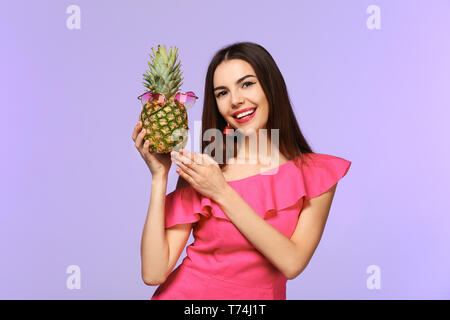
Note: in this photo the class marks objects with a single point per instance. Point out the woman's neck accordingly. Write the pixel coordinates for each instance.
(254, 149)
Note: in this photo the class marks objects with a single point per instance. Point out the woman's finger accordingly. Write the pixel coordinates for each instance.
(198, 158)
(185, 176)
(136, 129)
(193, 157)
(187, 161)
(186, 169)
(207, 159)
(145, 148)
(139, 138)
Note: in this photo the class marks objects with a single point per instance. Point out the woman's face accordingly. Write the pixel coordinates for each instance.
(233, 96)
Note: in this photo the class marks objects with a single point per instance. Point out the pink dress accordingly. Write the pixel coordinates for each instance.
(221, 264)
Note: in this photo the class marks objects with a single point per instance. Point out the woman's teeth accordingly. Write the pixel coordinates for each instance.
(241, 115)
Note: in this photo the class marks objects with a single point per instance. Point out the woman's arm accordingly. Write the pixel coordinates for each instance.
(290, 256)
(154, 244)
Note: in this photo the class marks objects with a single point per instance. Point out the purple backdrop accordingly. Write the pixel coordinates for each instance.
(75, 192)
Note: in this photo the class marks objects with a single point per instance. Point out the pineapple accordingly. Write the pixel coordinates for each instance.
(164, 119)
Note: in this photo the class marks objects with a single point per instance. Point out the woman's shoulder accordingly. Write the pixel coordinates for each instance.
(321, 160)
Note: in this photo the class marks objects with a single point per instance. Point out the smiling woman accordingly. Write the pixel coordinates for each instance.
(242, 77)
(254, 229)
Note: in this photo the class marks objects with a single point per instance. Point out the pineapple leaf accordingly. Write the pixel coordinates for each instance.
(164, 53)
(154, 52)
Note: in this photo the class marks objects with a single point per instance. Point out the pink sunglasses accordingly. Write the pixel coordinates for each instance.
(187, 99)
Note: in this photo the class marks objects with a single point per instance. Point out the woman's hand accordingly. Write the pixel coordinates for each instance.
(201, 171)
(159, 164)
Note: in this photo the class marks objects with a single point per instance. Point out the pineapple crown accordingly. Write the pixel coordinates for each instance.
(164, 76)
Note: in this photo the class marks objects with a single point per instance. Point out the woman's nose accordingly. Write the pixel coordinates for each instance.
(237, 100)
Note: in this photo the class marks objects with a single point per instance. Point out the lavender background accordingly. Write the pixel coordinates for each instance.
(74, 190)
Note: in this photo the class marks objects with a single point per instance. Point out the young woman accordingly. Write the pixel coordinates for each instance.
(255, 224)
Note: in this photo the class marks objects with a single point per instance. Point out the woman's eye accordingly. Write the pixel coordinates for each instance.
(248, 82)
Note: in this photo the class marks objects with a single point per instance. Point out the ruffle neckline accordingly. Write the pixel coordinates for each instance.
(266, 193)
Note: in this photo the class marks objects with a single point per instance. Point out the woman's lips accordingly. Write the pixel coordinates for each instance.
(242, 111)
(246, 118)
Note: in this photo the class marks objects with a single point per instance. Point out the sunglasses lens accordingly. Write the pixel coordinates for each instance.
(146, 97)
(187, 99)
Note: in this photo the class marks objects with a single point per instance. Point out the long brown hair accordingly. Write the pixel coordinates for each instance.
(292, 143)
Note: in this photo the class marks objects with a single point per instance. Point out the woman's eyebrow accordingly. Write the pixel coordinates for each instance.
(237, 82)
